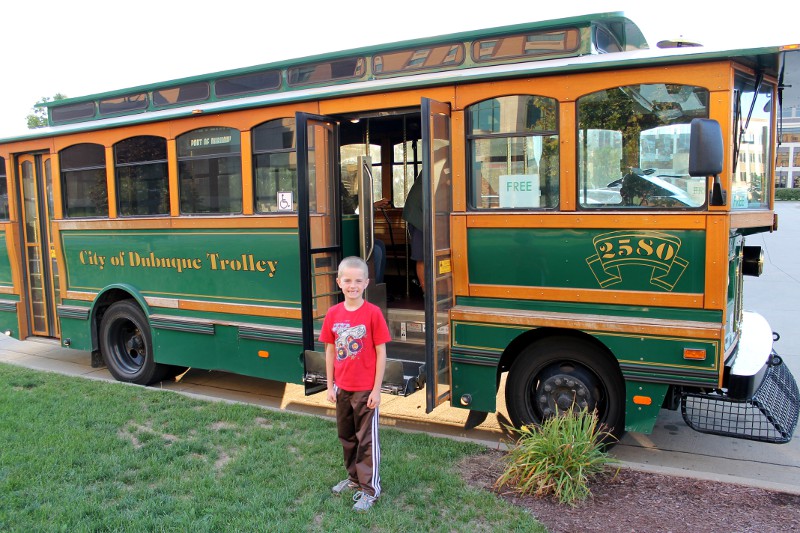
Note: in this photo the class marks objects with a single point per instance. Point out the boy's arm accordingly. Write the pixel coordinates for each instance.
(374, 399)
(329, 355)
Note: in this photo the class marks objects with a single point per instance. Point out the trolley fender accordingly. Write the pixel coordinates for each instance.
(116, 292)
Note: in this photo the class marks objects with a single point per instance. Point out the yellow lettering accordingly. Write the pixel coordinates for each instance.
(645, 247)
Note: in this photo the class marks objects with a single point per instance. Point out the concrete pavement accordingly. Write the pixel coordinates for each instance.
(672, 448)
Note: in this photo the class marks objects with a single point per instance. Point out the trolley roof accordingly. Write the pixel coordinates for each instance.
(577, 44)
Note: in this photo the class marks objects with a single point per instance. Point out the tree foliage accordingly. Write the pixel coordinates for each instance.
(38, 116)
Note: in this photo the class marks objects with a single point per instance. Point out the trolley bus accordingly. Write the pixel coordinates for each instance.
(586, 215)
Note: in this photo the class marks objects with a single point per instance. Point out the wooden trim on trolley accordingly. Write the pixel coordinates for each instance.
(111, 182)
(60, 261)
(194, 305)
(458, 247)
(172, 177)
(752, 219)
(596, 323)
(458, 164)
(246, 147)
(82, 296)
(568, 155)
(717, 242)
(601, 296)
(588, 220)
(239, 309)
(186, 222)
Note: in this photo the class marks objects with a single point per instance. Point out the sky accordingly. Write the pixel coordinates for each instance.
(83, 47)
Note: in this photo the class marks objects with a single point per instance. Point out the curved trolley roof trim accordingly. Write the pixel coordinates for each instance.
(766, 58)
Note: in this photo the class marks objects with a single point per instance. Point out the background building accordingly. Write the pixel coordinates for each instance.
(787, 171)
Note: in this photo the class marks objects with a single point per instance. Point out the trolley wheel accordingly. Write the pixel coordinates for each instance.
(561, 374)
(127, 346)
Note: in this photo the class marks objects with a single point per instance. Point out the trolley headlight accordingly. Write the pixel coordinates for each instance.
(752, 260)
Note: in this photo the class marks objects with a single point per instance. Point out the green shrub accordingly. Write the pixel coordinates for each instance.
(557, 458)
(789, 195)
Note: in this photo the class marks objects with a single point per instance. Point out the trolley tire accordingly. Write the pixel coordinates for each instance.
(127, 346)
(553, 371)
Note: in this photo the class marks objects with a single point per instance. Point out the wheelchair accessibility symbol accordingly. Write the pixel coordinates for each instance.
(285, 201)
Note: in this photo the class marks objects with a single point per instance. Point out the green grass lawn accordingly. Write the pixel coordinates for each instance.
(83, 455)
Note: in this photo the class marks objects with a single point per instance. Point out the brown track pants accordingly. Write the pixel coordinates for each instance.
(358, 432)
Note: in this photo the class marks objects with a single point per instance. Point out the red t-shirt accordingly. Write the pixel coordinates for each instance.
(354, 335)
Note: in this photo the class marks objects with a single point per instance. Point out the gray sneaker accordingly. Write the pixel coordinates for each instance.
(363, 501)
(344, 485)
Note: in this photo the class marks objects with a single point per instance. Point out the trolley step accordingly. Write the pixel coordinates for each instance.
(401, 377)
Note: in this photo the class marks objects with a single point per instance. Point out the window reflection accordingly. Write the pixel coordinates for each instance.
(751, 166)
(434, 57)
(526, 45)
(633, 147)
(338, 69)
(513, 143)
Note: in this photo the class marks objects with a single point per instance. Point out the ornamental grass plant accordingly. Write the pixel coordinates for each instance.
(557, 458)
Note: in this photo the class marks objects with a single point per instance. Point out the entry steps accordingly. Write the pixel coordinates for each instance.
(405, 356)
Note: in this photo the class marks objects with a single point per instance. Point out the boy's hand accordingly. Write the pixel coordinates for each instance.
(332, 395)
(374, 399)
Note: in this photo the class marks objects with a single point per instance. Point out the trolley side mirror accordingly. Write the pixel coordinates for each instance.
(705, 155)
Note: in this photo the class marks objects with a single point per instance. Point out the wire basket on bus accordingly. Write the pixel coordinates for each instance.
(769, 416)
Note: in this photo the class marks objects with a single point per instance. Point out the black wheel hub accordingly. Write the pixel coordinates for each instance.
(134, 344)
(130, 350)
(561, 390)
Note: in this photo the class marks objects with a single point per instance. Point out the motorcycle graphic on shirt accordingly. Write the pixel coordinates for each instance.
(349, 340)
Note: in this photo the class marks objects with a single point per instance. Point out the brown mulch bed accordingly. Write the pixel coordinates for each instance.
(629, 500)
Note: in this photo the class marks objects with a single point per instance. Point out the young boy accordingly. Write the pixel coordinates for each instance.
(355, 336)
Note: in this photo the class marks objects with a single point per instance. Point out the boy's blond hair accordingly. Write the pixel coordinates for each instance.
(353, 262)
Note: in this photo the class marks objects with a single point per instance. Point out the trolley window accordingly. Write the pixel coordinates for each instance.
(83, 177)
(328, 71)
(433, 57)
(633, 147)
(141, 172)
(3, 190)
(248, 83)
(209, 171)
(526, 45)
(275, 166)
(123, 104)
(513, 145)
(191, 92)
(72, 112)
